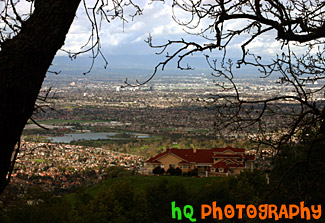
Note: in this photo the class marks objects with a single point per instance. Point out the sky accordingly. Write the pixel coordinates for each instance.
(127, 39)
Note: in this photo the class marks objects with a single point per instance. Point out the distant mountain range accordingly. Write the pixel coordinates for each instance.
(135, 64)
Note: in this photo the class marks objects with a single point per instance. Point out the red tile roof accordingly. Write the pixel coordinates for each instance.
(152, 160)
(184, 162)
(220, 165)
(236, 150)
(198, 155)
(250, 157)
(227, 155)
(224, 164)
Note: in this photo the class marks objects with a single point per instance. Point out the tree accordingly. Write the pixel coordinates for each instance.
(174, 171)
(171, 171)
(277, 121)
(24, 61)
(293, 24)
(178, 171)
(158, 170)
(28, 44)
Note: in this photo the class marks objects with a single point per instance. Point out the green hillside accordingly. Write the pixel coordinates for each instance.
(141, 182)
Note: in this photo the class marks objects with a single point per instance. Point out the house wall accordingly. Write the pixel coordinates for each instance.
(170, 159)
(238, 170)
(189, 167)
(151, 166)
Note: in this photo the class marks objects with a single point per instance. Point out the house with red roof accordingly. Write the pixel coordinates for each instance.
(217, 161)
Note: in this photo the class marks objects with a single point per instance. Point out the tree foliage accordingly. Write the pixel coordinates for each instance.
(158, 170)
(298, 30)
(297, 27)
(134, 201)
(29, 39)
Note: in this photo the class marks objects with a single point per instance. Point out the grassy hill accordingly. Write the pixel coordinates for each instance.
(140, 182)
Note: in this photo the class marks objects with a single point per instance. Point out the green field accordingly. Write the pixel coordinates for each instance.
(140, 182)
(38, 160)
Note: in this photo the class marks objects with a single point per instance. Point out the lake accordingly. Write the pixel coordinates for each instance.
(67, 138)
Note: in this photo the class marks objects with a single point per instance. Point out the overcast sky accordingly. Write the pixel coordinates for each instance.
(128, 39)
(119, 39)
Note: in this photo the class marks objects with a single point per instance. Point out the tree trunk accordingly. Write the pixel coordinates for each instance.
(24, 61)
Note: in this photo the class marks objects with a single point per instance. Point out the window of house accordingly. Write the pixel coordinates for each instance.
(216, 159)
(184, 166)
(220, 170)
(172, 165)
(213, 170)
(239, 159)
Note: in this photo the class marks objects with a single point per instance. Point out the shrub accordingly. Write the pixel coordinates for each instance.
(158, 170)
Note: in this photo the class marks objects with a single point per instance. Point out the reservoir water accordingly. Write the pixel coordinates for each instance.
(67, 138)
